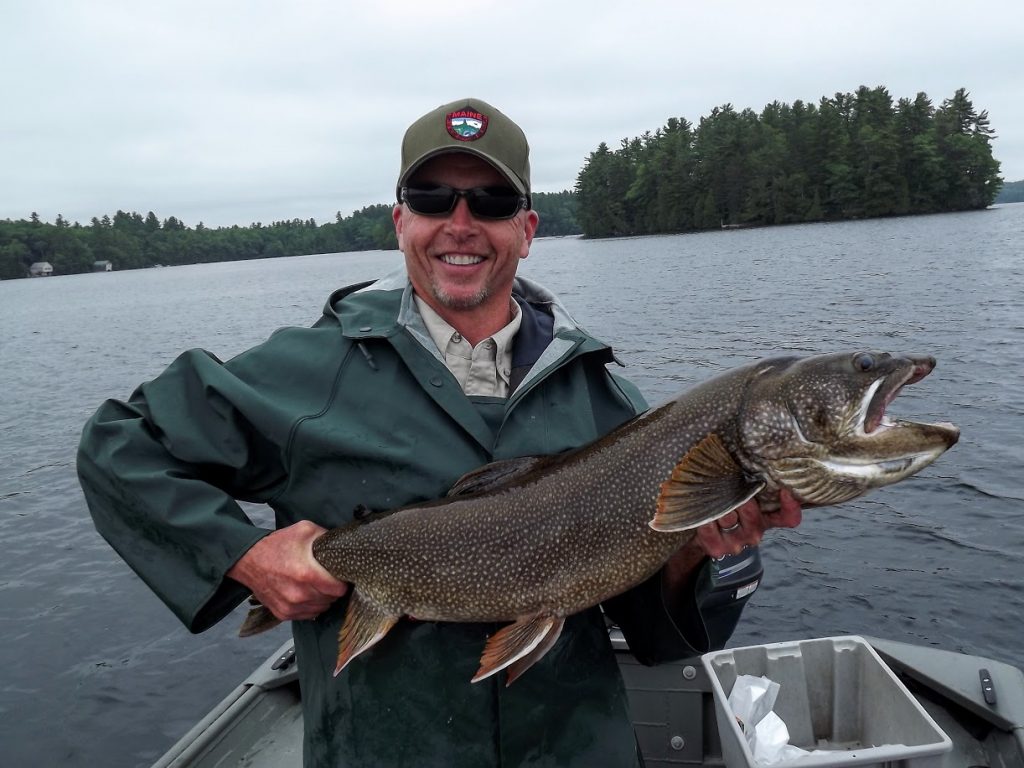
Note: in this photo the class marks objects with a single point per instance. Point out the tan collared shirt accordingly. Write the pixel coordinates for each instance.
(480, 370)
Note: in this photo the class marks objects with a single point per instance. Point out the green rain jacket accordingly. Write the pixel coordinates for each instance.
(359, 411)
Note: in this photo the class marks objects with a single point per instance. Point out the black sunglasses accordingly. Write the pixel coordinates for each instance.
(483, 202)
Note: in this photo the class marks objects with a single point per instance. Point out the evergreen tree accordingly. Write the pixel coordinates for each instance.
(964, 143)
(851, 155)
(874, 144)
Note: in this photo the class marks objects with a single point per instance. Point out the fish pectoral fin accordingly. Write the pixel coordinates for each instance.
(706, 484)
(494, 474)
(365, 624)
(518, 646)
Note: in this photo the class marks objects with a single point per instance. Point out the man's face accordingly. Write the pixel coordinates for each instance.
(460, 265)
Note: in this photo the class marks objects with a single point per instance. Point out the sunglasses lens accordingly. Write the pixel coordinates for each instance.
(484, 202)
(430, 201)
(494, 202)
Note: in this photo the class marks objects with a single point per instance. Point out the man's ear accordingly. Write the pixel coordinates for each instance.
(529, 230)
(396, 216)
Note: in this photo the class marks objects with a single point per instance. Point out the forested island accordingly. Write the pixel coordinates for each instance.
(853, 155)
(1012, 192)
(132, 241)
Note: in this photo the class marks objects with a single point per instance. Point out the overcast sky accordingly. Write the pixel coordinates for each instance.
(230, 112)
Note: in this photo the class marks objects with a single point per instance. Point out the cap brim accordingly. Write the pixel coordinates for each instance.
(499, 166)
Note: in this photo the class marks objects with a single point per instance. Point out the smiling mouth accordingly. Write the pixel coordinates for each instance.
(460, 260)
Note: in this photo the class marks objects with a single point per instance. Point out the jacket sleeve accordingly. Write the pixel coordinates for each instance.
(657, 631)
(161, 473)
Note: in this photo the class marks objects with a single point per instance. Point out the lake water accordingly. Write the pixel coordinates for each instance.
(95, 671)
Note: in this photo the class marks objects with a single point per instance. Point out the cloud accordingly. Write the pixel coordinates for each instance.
(234, 112)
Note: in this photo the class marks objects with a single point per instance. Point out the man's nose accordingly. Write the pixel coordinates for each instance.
(461, 217)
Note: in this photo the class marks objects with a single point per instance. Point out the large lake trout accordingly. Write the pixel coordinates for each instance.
(534, 540)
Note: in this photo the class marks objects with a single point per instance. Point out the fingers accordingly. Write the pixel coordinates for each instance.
(323, 583)
(745, 526)
(789, 514)
(297, 604)
(283, 574)
(317, 577)
(297, 600)
(732, 533)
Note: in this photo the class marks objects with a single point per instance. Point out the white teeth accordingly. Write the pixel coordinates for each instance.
(460, 260)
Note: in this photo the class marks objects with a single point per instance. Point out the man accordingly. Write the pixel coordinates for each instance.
(399, 389)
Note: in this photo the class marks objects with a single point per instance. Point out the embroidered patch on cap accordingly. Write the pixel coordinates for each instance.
(466, 124)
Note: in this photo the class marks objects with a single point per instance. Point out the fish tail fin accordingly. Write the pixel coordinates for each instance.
(365, 624)
(258, 619)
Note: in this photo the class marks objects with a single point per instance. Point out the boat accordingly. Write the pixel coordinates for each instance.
(978, 703)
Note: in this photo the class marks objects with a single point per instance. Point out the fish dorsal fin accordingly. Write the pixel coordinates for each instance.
(365, 624)
(517, 646)
(705, 485)
(494, 474)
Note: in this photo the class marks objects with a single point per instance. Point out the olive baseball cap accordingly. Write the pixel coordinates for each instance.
(474, 127)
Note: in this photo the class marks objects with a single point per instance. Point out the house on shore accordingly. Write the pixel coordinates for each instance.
(40, 269)
(102, 266)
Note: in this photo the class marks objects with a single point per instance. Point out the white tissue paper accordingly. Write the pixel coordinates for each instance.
(751, 701)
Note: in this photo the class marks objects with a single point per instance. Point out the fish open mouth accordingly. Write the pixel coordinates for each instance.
(885, 390)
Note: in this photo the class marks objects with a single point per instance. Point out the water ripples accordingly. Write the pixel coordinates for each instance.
(937, 560)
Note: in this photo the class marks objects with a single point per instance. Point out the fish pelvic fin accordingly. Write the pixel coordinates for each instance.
(258, 619)
(706, 484)
(516, 668)
(519, 646)
(364, 626)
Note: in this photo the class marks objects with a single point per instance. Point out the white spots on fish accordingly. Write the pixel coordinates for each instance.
(577, 532)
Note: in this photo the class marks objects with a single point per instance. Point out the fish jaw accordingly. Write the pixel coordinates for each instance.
(884, 457)
(915, 368)
(830, 439)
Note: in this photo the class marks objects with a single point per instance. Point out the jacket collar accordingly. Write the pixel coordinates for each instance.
(382, 308)
(548, 338)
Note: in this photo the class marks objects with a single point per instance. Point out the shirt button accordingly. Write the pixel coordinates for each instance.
(456, 337)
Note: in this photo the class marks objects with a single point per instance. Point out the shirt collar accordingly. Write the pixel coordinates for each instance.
(442, 332)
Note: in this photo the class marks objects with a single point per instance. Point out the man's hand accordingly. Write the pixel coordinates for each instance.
(283, 574)
(721, 538)
(745, 526)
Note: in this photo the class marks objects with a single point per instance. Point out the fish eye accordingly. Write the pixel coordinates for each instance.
(863, 361)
